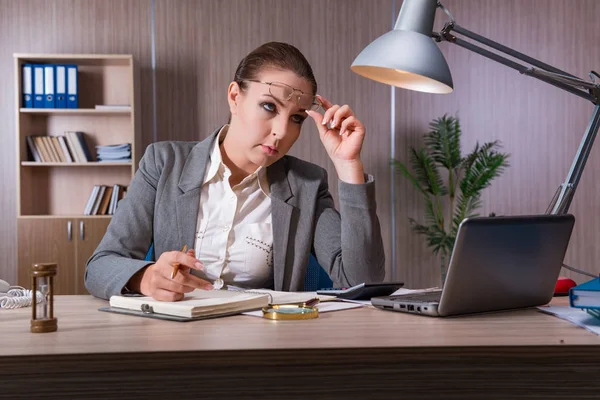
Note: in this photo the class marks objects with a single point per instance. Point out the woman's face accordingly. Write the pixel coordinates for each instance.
(264, 123)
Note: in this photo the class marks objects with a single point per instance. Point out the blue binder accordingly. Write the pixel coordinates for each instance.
(38, 86)
(27, 85)
(586, 295)
(49, 86)
(72, 87)
(61, 86)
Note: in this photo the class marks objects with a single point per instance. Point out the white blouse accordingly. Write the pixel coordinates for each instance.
(234, 237)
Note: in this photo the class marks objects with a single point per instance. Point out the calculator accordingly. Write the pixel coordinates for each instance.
(363, 291)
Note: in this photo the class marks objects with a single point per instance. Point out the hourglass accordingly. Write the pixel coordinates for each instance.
(42, 317)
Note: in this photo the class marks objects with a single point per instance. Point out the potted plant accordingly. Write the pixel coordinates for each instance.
(450, 183)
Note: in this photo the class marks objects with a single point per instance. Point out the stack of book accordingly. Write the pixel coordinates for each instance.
(104, 199)
(50, 86)
(587, 297)
(70, 148)
(114, 153)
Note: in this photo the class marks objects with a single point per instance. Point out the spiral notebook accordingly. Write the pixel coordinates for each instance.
(202, 304)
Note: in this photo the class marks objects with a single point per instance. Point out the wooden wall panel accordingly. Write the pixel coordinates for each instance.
(539, 125)
(62, 26)
(200, 43)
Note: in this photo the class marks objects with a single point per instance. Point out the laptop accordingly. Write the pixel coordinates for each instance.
(497, 263)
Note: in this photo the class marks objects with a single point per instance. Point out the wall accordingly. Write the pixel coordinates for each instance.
(62, 26)
(538, 124)
(197, 45)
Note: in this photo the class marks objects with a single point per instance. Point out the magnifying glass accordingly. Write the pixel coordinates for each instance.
(290, 312)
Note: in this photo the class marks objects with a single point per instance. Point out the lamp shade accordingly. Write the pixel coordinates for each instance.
(407, 56)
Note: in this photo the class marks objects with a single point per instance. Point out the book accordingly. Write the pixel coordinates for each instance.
(198, 304)
(74, 146)
(91, 200)
(113, 107)
(103, 209)
(594, 312)
(98, 200)
(114, 153)
(35, 155)
(586, 295)
(201, 304)
(65, 149)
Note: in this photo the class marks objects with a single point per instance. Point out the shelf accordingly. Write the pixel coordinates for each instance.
(86, 164)
(80, 59)
(73, 111)
(63, 216)
(52, 197)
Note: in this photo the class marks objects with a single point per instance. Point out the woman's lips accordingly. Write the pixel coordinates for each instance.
(269, 150)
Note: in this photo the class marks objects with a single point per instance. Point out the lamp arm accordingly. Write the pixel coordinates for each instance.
(590, 91)
(564, 194)
(544, 72)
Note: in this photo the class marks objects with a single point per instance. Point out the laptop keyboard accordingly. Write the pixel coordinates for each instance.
(425, 296)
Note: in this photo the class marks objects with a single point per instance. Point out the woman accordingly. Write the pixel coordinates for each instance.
(250, 214)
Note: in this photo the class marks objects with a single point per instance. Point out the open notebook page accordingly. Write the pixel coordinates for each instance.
(197, 303)
(277, 297)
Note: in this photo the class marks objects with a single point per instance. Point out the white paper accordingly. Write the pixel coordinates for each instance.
(575, 316)
(322, 307)
(288, 297)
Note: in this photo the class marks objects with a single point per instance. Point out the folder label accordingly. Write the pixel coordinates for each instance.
(49, 86)
(72, 81)
(72, 96)
(61, 86)
(38, 86)
(27, 86)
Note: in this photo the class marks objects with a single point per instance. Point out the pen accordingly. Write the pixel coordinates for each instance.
(176, 265)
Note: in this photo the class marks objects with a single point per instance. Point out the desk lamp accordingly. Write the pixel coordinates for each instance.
(408, 58)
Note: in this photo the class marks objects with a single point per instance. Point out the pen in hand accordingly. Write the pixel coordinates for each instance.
(176, 265)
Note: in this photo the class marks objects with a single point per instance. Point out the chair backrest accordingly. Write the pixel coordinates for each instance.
(316, 277)
(150, 253)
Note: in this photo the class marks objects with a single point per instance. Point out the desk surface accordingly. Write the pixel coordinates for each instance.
(351, 350)
(83, 329)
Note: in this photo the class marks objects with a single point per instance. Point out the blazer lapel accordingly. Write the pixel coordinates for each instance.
(281, 213)
(190, 184)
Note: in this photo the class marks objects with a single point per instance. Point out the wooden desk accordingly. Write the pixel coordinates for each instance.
(361, 353)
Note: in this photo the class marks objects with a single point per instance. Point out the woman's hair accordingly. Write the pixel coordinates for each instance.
(274, 55)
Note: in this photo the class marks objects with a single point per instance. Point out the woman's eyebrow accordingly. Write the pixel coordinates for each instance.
(274, 98)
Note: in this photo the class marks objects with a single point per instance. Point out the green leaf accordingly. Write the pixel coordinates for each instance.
(467, 176)
(480, 167)
(404, 170)
(443, 142)
(426, 172)
(465, 207)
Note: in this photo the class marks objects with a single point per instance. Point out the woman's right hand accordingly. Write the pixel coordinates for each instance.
(155, 280)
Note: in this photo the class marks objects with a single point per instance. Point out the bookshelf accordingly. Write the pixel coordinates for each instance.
(52, 196)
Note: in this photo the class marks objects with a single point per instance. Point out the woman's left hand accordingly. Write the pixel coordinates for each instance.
(341, 132)
(342, 135)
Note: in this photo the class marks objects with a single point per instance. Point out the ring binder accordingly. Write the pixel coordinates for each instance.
(147, 309)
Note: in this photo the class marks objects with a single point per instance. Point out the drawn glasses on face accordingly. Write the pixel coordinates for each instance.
(281, 91)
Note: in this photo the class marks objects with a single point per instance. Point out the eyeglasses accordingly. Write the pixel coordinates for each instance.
(281, 91)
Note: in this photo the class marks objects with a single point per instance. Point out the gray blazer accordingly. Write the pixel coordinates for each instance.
(162, 204)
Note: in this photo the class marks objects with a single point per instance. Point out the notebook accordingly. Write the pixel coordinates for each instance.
(498, 263)
(586, 295)
(202, 304)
